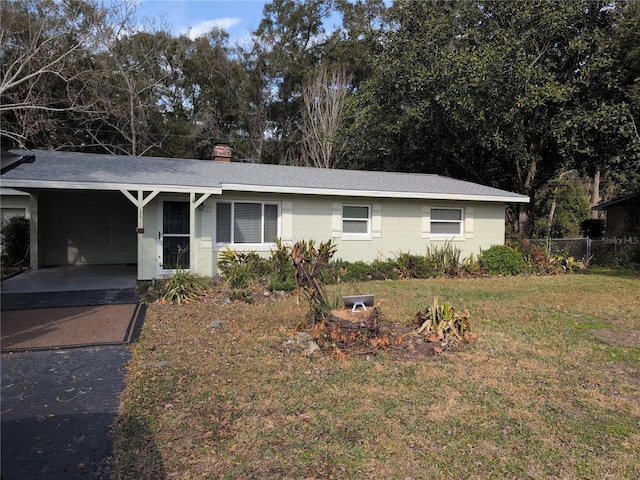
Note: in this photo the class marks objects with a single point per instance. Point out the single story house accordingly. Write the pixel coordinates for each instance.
(623, 214)
(163, 213)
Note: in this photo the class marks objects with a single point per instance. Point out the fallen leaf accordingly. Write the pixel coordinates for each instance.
(433, 337)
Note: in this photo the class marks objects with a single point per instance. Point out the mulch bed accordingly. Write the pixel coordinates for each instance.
(362, 333)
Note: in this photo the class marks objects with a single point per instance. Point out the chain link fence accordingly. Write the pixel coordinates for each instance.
(602, 250)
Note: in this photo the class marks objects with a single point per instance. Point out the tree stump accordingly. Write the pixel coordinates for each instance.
(346, 328)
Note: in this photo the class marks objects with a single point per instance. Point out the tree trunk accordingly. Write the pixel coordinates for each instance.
(595, 197)
(552, 211)
(521, 218)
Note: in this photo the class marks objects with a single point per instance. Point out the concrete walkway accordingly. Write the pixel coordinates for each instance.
(72, 278)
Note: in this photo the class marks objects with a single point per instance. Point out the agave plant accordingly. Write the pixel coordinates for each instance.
(442, 321)
(184, 287)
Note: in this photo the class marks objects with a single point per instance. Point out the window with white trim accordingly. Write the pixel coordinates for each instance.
(356, 220)
(247, 222)
(447, 221)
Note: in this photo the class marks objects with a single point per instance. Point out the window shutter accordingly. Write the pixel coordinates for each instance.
(336, 220)
(468, 222)
(376, 220)
(287, 222)
(426, 222)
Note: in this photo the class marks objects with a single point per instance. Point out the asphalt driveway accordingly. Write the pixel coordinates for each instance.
(58, 405)
(57, 410)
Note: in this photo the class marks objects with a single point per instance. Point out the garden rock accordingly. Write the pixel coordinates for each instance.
(302, 342)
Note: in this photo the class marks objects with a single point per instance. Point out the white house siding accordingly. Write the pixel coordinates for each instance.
(148, 242)
(403, 226)
(13, 204)
(149, 257)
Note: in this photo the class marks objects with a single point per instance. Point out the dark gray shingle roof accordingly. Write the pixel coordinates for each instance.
(79, 170)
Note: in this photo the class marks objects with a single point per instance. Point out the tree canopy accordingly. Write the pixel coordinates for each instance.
(508, 94)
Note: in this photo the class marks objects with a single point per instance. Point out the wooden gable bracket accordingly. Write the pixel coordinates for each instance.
(141, 201)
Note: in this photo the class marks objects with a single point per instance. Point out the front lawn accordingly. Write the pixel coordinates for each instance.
(551, 389)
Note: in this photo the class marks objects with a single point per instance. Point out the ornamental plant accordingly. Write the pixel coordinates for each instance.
(502, 260)
(15, 240)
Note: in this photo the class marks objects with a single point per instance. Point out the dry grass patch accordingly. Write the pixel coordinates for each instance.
(211, 394)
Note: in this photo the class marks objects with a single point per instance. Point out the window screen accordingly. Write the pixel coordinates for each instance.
(247, 223)
(355, 219)
(446, 221)
(223, 223)
(270, 223)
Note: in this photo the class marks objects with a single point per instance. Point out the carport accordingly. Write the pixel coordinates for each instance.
(84, 227)
(70, 278)
(96, 209)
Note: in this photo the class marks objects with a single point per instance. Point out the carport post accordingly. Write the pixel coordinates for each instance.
(141, 201)
(34, 251)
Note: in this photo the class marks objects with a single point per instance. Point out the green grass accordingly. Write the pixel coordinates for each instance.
(550, 390)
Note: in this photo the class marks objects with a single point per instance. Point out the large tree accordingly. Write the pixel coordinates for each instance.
(323, 97)
(484, 91)
(131, 75)
(290, 38)
(46, 61)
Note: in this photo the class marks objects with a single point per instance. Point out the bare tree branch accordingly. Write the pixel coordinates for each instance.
(46, 53)
(324, 98)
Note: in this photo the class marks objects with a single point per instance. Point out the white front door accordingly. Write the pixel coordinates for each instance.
(173, 239)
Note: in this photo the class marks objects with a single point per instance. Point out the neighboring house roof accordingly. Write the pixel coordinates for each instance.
(9, 161)
(74, 170)
(611, 203)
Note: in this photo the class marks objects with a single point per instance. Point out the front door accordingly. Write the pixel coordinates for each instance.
(174, 237)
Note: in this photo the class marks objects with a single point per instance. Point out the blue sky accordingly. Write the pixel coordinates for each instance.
(194, 17)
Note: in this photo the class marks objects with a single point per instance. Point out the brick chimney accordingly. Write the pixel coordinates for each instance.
(221, 153)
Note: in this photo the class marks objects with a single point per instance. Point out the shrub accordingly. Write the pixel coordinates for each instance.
(536, 257)
(471, 264)
(622, 259)
(441, 321)
(445, 259)
(344, 271)
(279, 269)
(184, 287)
(239, 269)
(415, 266)
(502, 260)
(15, 240)
(310, 263)
(383, 270)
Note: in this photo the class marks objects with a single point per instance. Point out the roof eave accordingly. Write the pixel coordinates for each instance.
(39, 184)
(373, 193)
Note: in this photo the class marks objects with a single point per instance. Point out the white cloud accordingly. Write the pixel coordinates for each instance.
(201, 28)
